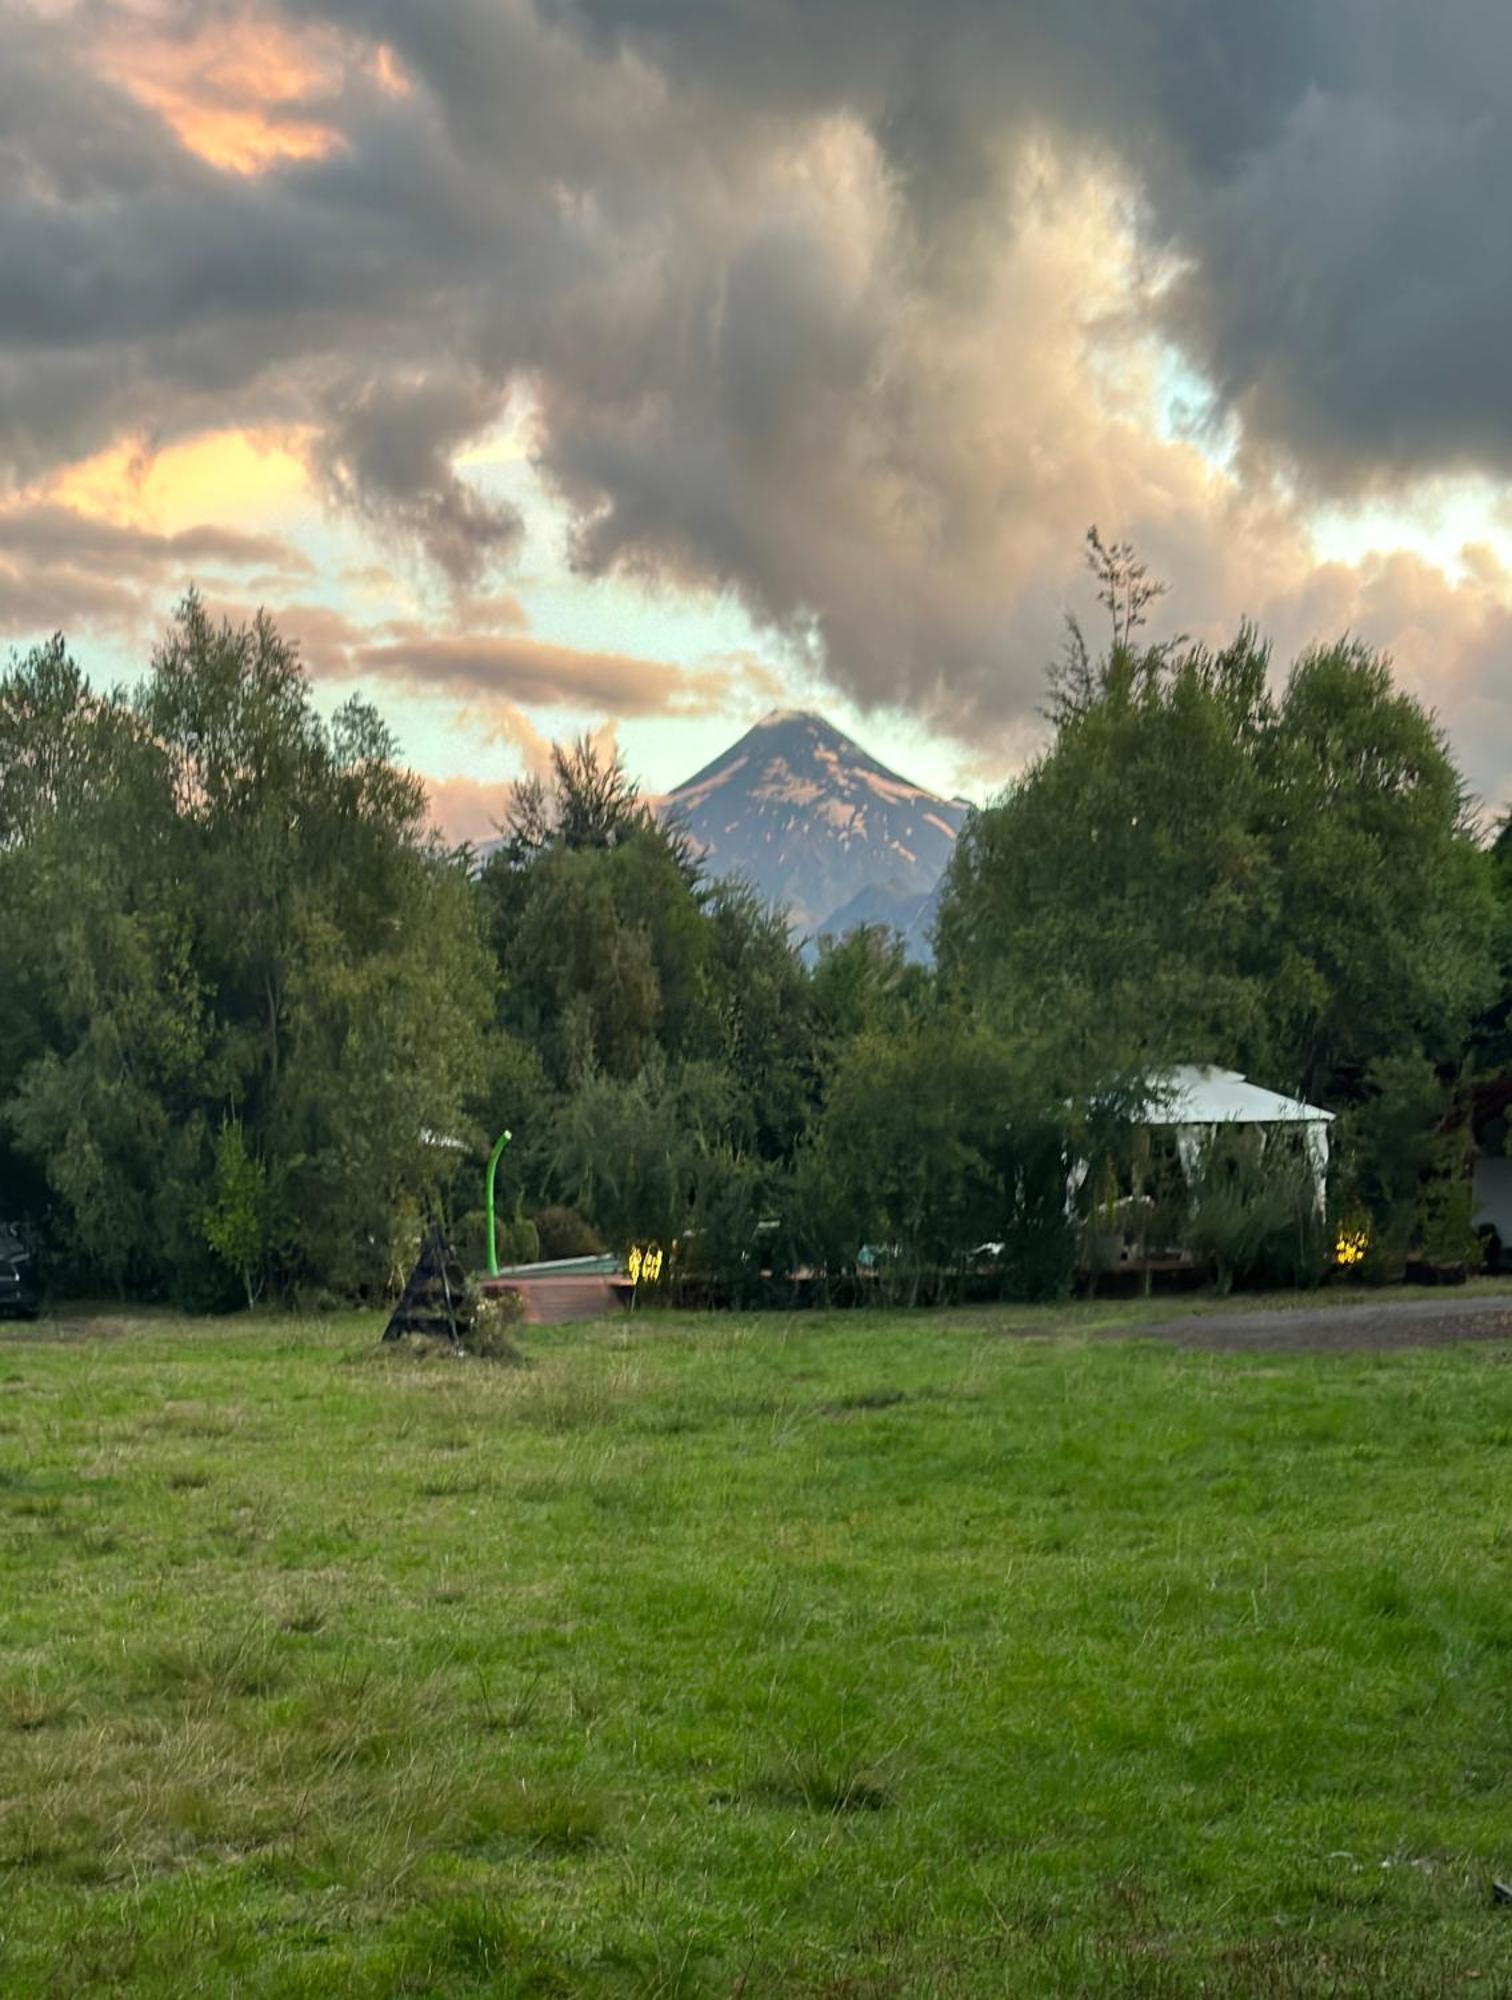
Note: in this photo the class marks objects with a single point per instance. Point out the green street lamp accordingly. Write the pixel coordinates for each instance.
(488, 1201)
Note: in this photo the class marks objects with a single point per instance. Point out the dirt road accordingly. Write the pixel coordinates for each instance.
(1359, 1326)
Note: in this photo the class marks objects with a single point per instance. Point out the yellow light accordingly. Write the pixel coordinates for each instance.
(643, 1265)
(1350, 1247)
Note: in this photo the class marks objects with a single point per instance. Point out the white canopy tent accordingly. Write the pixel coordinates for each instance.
(1196, 1099)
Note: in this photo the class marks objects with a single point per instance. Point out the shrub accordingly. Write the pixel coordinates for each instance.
(727, 1245)
(490, 1337)
(562, 1232)
(907, 1157)
(1255, 1218)
(1387, 1146)
(518, 1240)
(1447, 1204)
(238, 1226)
(515, 1239)
(1040, 1238)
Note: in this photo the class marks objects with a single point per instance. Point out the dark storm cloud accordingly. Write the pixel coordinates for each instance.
(1335, 175)
(388, 453)
(1350, 290)
(797, 320)
(147, 289)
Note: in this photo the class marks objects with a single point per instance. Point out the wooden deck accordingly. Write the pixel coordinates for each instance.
(555, 1301)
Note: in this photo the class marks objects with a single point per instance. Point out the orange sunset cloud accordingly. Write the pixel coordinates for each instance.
(244, 94)
(174, 487)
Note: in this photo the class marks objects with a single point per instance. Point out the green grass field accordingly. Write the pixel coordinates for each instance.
(839, 1656)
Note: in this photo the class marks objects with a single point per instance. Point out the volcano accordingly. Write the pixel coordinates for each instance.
(820, 828)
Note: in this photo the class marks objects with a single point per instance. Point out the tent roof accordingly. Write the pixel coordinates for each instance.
(1197, 1094)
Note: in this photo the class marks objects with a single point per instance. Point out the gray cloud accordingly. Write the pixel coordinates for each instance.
(48, 534)
(537, 672)
(1331, 176)
(1349, 289)
(388, 455)
(60, 568)
(817, 304)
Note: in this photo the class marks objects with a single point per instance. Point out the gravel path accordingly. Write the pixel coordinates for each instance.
(1359, 1327)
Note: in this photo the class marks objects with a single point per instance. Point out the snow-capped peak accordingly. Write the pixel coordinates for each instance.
(816, 824)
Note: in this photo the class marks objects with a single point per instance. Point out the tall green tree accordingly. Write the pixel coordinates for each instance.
(595, 914)
(1199, 869)
(1203, 867)
(671, 1017)
(235, 912)
(1386, 923)
(104, 1027)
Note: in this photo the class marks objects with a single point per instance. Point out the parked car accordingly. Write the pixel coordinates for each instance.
(20, 1283)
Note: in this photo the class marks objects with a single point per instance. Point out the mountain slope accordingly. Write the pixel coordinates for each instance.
(818, 826)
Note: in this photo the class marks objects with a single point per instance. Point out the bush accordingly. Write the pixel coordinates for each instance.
(518, 1240)
(1255, 1218)
(1387, 1147)
(562, 1232)
(1445, 1232)
(515, 1239)
(939, 1139)
(490, 1337)
(907, 1158)
(727, 1248)
(1040, 1239)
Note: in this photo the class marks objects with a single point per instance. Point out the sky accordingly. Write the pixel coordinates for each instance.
(637, 366)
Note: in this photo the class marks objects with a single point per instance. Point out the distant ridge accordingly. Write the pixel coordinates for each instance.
(820, 828)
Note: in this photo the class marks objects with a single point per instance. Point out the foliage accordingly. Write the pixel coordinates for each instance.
(900, 1166)
(1385, 1147)
(1039, 1232)
(1125, 590)
(491, 1337)
(562, 1232)
(1108, 903)
(238, 1222)
(233, 910)
(1254, 1217)
(1387, 923)
(516, 1238)
(763, 1028)
(256, 1021)
(738, 1245)
(1491, 1041)
(519, 1241)
(864, 981)
(937, 1140)
(592, 804)
(1287, 883)
(1198, 869)
(1445, 1232)
(595, 918)
(672, 1021)
(620, 1154)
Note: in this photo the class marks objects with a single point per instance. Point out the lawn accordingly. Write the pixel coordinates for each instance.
(844, 1656)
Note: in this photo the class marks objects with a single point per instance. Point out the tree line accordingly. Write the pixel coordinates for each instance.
(257, 1020)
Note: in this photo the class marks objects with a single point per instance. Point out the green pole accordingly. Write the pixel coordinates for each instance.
(488, 1201)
